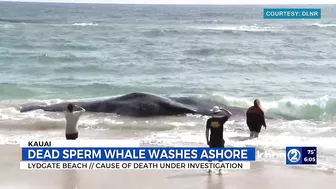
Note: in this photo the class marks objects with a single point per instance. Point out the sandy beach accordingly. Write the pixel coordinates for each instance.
(261, 175)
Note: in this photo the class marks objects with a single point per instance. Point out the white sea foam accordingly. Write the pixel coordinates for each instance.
(251, 28)
(85, 24)
(323, 25)
(6, 26)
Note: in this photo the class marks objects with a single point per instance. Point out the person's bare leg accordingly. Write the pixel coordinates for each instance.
(252, 134)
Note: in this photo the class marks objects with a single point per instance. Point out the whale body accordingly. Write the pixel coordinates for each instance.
(142, 105)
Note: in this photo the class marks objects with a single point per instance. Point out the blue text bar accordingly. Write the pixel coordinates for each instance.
(137, 154)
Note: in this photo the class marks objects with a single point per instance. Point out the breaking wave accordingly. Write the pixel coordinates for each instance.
(323, 108)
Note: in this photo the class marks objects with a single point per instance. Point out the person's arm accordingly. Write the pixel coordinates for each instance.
(207, 129)
(227, 112)
(80, 111)
(207, 135)
(263, 120)
(247, 118)
(81, 108)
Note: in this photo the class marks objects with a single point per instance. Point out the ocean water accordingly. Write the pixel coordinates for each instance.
(57, 52)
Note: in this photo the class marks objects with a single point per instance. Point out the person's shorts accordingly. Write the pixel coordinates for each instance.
(72, 136)
(214, 144)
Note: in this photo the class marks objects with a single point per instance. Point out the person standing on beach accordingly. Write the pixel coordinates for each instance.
(255, 119)
(215, 126)
(72, 117)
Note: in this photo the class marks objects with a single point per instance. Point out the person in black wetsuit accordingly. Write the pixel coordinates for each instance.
(255, 119)
(215, 125)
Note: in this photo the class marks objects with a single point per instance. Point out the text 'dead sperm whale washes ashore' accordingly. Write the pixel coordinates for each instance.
(141, 105)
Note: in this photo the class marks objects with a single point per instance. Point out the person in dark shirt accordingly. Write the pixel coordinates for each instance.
(255, 119)
(215, 125)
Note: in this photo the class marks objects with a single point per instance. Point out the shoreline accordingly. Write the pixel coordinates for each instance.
(261, 175)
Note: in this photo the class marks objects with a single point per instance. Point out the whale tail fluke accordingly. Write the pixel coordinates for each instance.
(31, 108)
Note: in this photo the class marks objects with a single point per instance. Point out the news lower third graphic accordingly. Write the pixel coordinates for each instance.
(301, 155)
(123, 155)
(292, 13)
